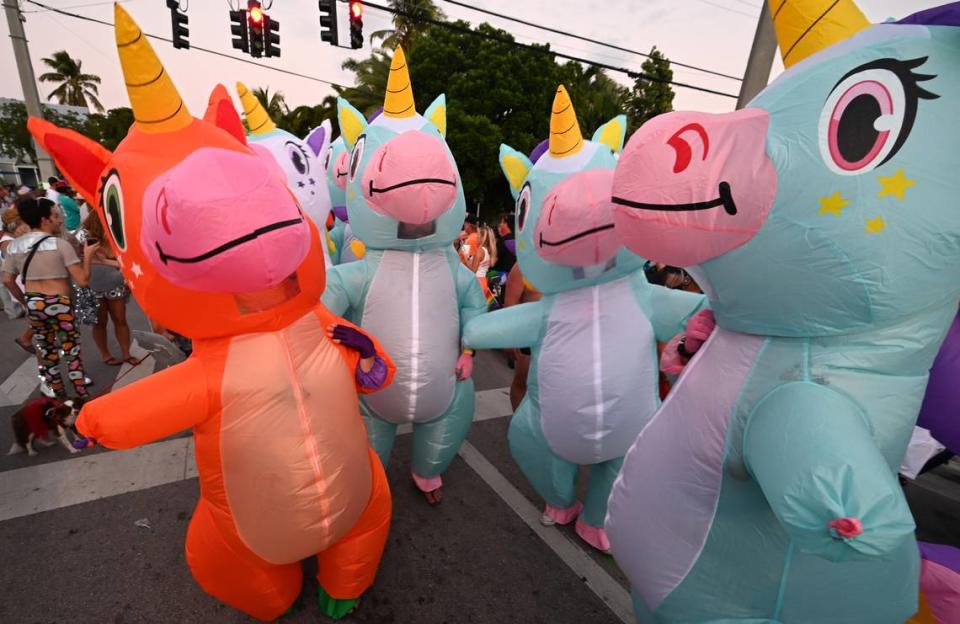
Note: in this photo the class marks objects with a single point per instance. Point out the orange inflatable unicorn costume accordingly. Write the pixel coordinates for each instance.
(216, 247)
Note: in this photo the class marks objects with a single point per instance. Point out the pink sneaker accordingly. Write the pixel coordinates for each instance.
(594, 536)
(552, 515)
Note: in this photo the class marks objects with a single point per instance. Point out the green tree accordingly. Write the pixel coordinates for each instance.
(15, 140)
(274, 103)
(370, 80)
(110, 128)
(597, 98)
(650, 98)
(75, 88)
(411, 18)
(302, 119)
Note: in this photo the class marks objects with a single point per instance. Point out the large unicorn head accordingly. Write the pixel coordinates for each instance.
(209, 236)
(300, 160)
(403, 188)
(826, 206)
(564, 224)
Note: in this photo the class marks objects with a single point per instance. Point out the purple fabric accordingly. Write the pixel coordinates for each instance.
(940, 412)
(511, 245)
(941, 554)
(340, 212)
(539, 150)
(375, 114)
(946, 15)
(354, 339)
(377, 375)
(315, 139)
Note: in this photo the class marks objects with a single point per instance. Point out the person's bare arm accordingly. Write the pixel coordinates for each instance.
(81, 272)
(10, 281)
(515, 287)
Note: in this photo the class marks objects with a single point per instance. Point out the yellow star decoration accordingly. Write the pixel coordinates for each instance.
(895, 185)
(833, 204)
(876, 225)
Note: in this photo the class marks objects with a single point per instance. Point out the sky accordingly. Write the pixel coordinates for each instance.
(714, 34)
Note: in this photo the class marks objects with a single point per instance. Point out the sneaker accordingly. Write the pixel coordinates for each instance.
(46, 390)
(87, 381)
(546, 520)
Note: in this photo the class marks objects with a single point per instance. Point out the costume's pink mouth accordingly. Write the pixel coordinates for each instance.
(545, 243)
(724, 198)
(240, 240)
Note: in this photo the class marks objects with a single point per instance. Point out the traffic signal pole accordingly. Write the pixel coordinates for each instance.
(27, 81)
(760, 61)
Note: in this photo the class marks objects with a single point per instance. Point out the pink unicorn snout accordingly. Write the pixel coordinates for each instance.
(575, 226)
(223, 221)
(691, 186)
(411, 179)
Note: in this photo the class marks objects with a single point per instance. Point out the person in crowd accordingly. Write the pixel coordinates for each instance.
(506, 245)
(112, 292)
(46, 263)
(478, 254)
(470, 223)
(71, 210)
(519, 290)
(11, 306)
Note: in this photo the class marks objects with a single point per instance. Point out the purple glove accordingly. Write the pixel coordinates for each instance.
(353, 339)
(511, 245)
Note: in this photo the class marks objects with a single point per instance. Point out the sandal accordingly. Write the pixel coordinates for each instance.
(132, 361)
(434, 496)
(112, 361)
(26, 347)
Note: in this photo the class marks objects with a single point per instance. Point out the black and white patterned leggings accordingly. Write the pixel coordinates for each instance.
(55, 332)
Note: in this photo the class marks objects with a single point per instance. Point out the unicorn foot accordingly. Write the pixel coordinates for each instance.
(552, 515)
(594, 536)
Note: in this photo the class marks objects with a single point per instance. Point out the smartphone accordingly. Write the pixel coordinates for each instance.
(92, 241)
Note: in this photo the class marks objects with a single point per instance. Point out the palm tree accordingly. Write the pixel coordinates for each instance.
(274, 103)
(410, 19)
(370, 79)
(76, 88)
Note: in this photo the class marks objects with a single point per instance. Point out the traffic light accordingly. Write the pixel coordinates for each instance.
(178, 21)
(255, 23)
(271, 29)
(356, 24)
(238, 26)
(328, 22)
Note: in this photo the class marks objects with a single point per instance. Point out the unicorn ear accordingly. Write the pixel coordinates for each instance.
(612, 133)
(319, 138)
(81, 160)
(515, 166)
(221, 113)
(437, 114)
(352, 122)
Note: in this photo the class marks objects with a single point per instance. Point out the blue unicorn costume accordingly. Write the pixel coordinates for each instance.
(593, 379)
(822, 223)
(346, 246)
(405, 202)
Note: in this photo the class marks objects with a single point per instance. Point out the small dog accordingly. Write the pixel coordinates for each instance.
(38, 418)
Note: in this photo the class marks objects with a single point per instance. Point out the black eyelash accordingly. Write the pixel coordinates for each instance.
(103, 182)
(904, 71)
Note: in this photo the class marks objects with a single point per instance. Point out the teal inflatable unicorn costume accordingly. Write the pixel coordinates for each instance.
(299, 159)
(593, 376)
(822, 222)
(405, 202)
(346, 246)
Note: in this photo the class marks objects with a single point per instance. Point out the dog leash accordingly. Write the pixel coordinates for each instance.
(81, 442)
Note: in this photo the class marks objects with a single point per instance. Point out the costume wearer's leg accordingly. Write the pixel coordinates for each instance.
(68, 337)
(590, 523)
(436, 443)
(518, 388)
(45, 339)
(229, 571)
(380, 433)
(346, 569)
(554, 478)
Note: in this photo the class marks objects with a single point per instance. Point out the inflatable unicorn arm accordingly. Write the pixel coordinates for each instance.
(800, 444)
(669, 310)
(122, 419)
(518, 326)
(470, 296)
(346, 285)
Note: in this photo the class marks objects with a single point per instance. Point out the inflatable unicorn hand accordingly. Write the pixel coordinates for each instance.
(821, 222)
(301, 161)
(598, 314)
(405, 202)
(216, 248)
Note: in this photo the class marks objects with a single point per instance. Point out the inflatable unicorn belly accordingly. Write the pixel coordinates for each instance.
(591, 386)
(820, 224)
(312, 395)
(405, 202)
(412, 305)
(593, 372)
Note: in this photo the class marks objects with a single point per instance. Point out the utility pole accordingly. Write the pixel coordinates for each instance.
(761, 58)
(27, 80)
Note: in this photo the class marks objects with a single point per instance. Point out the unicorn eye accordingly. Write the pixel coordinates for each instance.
(298, 157)
(355, 156)
(869, 114)
(523, 206)
(111, 201)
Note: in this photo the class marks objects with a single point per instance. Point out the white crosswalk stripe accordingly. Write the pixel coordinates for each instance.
(16, 388)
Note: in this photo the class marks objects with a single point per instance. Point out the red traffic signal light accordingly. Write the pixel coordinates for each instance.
(256, 15)
(356, 9)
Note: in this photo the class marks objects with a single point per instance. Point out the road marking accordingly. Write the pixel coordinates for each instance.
(82, 479)
(603, 585)
(19, 385)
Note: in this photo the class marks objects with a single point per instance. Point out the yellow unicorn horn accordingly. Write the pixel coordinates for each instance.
(805, 27)
(258, 120)
(157, 106)
(398, 102)
(565, 137)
